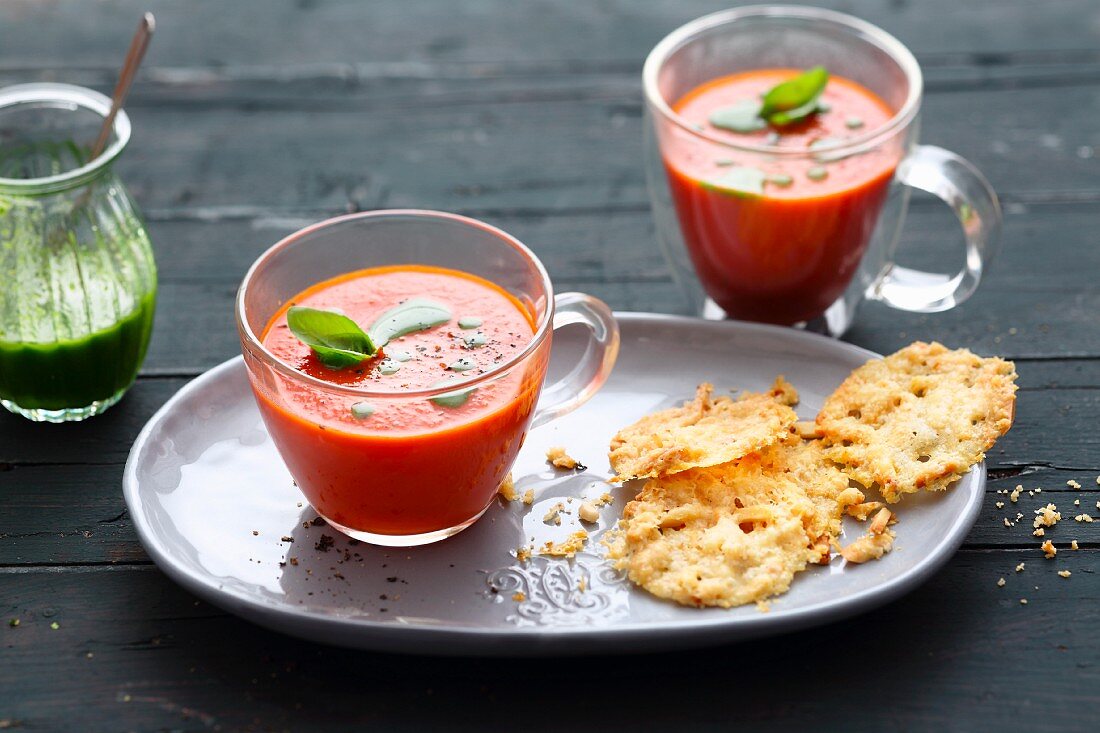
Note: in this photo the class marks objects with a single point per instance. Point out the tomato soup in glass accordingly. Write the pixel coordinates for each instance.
(409, 441)
(785, 250)
(780, 150)
(450, 454)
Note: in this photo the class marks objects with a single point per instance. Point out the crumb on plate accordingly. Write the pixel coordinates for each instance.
(507, 488)
(569, 547)
(558, 458)
(553, 515)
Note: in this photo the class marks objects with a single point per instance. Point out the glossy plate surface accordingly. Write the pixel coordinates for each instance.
(217, 511)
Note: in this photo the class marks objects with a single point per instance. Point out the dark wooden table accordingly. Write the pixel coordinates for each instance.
(255, 117)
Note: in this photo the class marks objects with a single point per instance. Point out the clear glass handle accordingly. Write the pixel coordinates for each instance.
(586, 378)
(962, 187)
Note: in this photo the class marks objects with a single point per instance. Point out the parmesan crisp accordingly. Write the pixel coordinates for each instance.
(918, 419)
(731, 534)
(702, 432)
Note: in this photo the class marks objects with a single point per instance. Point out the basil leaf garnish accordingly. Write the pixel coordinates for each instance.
(779, 119)
(336, 339)
(791, 101)
(415, 314)
(795, 94)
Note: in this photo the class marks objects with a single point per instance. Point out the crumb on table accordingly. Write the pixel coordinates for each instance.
(1047, 516)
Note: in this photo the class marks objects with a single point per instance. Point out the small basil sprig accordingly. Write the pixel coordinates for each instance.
(795, 98)
(336, 339)
(791, 101)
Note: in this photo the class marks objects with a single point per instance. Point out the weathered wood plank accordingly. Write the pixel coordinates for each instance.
(530, 153)
(620, 245)
(159, 660)
(432, 33)
(89, 445)
(585, 246)
(65, 514)
(358, 87)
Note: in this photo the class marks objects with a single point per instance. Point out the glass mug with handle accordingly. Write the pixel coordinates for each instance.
(741, 240)
(428, 461)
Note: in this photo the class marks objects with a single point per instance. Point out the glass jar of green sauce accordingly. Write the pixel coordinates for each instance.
(77, 277)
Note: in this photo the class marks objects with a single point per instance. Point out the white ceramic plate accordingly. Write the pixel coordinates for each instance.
(212, 502)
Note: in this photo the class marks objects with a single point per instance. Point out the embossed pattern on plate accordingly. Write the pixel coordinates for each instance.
(217, 511)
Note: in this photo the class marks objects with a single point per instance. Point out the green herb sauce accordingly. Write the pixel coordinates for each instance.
(77, 372)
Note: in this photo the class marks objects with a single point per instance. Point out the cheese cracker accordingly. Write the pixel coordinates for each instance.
(919, 418)
(702, 432)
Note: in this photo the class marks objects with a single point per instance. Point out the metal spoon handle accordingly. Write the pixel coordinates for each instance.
(130, 66)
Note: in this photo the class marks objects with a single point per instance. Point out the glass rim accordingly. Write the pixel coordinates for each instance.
(256, 347)
(868, 31)
(75, 97)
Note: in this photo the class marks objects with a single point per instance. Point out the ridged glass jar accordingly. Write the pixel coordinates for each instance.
(77, 276)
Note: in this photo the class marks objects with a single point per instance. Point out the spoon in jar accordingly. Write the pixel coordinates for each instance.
(130, 66)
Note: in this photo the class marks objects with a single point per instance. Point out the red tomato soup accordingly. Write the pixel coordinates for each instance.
(411, 465)
(784, 255)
